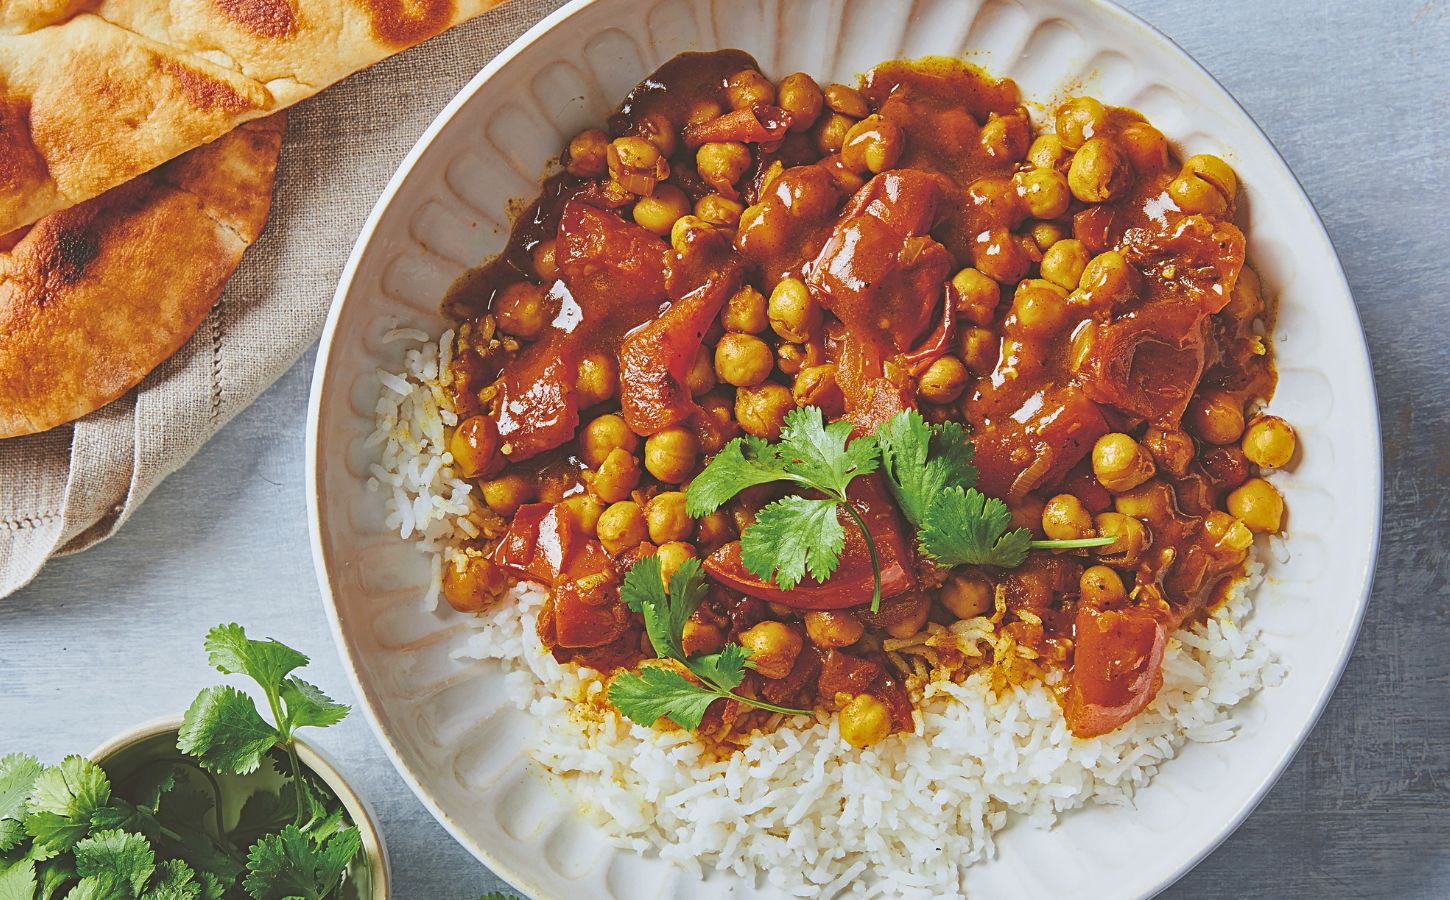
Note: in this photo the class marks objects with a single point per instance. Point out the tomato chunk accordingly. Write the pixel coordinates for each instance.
(1117, 668)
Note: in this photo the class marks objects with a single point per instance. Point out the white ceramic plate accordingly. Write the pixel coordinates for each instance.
(446, 723)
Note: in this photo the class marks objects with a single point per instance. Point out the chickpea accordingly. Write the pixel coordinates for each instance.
(817, 386)
(1043, 191)
(748, 88)
(505, 494)
(830, 132)
(1099, 172)
(911, 615)
(665, 515)
(1258, 505)
(713, 530)
(846, 100)
(1101, 587)
(1064, 518)
(686, 229)
(1040, 307)
(1131, 534)
(977, 295)
(587, 154)
(719, 210)
(670, 455)
(773, 647)
(943, 381)
(701, 637)
(585, 510)
(598, 378)
(659, 212)
(745, 312)
(790, 358)
(1064, 263)
(873, 144)
(636, 164)
(672, 556)
(830, 628)
(603, 435)
(1001, 257)
(980, 349)
(622, 527)
(1145, 147)
(703, 111)
(864, 721)
(1046, 234)
(1215, 417)
(967, 595)
(1005, 138)
(1078, 120)
(701, 375)
(617, 476)
(1269, 442)
(722, 163)
(1120, 463)
(472, 582)
(1048, 152)
(1228, 532)
(656, 128)
(743, 360)
(793, 312)
(799, 95)
(1150, 501)
(520, 310)
(1108, 280)
(544, 257)
(474, 446)
(761, 410)
(1216, 172)
(1172, 450)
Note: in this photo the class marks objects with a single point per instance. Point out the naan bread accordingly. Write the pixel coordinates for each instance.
(96, 92)
(96, 296)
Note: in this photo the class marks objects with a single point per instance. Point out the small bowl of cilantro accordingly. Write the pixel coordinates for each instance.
(223, 803)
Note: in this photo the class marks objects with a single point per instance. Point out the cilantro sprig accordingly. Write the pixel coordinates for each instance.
(654, 691)
(795, 534)
(928, 469)
(67, 832)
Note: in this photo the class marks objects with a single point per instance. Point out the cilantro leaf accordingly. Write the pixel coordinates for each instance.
(224, 732)
(498, 895)
(921, 461)
(818, 455)
(62, 802)
(725, 669)
(742, 463)
(121, 856)
(308, 705)
(98, 887)
(969, 528)
(791, 535)
(287, 864)
(53, 875)
(656, 692)
(17, 879)
(265, 662)
(175, 881)
(18, 773)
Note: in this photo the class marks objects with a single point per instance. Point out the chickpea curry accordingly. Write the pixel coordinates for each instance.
(1042, 345)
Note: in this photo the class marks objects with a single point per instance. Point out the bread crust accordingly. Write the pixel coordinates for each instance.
(94, 297)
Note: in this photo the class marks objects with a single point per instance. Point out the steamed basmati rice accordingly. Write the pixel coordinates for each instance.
(799, 807)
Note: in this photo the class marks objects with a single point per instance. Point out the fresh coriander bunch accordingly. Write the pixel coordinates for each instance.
(68, 832)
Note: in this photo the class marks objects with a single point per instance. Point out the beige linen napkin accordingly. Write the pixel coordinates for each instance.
(67, 489)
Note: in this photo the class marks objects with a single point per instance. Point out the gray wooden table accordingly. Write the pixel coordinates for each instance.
(1356, 93)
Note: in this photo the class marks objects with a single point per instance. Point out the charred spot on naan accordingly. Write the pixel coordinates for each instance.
(403, 23)
(203, 90)
(265, 18)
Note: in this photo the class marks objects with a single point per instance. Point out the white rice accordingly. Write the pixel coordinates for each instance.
(799, 807)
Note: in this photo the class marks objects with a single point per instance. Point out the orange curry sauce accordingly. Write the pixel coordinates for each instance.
(733, 247)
